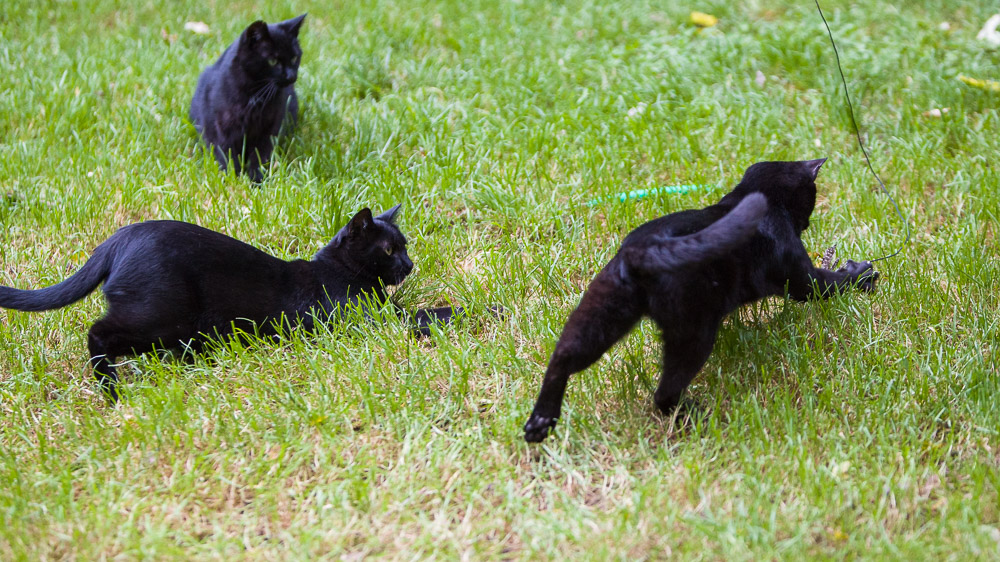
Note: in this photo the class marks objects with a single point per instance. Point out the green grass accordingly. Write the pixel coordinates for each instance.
(862, 427)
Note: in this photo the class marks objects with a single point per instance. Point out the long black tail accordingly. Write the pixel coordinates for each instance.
(714, 241)
(69, 291)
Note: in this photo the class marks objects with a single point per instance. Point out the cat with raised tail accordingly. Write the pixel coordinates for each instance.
(687, 271)
(247, 98)
(171, 284)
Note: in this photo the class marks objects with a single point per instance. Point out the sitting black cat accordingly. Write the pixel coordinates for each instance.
(170, 283)
(241, 101)
(687, 271)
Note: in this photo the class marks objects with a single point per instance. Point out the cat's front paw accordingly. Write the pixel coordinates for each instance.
(537, 428)
(255, 175)
(863, 274)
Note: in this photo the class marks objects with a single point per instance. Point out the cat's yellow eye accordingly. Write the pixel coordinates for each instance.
(388, 251)
(272, 61)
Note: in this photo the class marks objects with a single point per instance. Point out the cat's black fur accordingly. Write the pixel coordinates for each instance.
(687, 271)
(247, 97)
(170, 284)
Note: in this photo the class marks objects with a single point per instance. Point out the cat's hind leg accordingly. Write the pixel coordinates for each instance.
(608, 310)
(101, 342)
(110, 338)
(683, 357)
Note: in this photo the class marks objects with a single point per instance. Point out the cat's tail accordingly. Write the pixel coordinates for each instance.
(79, 285)
(712, 242)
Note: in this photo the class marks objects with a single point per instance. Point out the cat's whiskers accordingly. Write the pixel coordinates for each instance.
(262, 95)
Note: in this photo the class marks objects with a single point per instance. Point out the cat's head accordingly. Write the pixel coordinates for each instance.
(271, 53)
(789, 185)
(372, 246)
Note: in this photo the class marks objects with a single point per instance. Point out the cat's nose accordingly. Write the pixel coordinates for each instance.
(290, 75)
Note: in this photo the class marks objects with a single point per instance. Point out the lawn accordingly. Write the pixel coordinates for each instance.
(867, 426)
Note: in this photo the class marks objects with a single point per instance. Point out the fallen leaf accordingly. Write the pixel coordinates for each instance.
(935, 112)
(198, 27)
(701, 19)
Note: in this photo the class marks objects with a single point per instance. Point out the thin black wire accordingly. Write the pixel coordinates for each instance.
(857, 132)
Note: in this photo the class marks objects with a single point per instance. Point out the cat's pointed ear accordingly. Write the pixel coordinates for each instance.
(256, 32)
(358, 224)
(361, 222)
(292, 26)
(812, 166)
(390, 215)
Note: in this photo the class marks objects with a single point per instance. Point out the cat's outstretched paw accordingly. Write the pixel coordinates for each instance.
(537, 428)
(863, 273)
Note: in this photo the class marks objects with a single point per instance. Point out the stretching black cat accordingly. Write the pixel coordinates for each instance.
(687, 271)
(241, 101)
(171, 283)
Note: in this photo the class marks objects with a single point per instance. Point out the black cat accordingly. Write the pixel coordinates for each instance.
(170, 283)
(242, 101)
(687, 271)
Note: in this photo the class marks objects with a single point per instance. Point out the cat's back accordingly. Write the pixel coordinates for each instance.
(182, 244)
(153, 231)
(701, 257)
(209, 82)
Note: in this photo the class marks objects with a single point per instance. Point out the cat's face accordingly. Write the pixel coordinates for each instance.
(375, 245)
(791, 185)
(271, 53)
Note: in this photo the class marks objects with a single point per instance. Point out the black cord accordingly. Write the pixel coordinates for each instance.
(857, 132)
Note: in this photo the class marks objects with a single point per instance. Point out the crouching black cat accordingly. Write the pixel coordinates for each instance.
(170, 284)
(687, 271)
(244, 100)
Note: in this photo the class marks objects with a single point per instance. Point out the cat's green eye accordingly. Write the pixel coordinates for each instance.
(295, 60)
(272, 61)
(388, 251)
